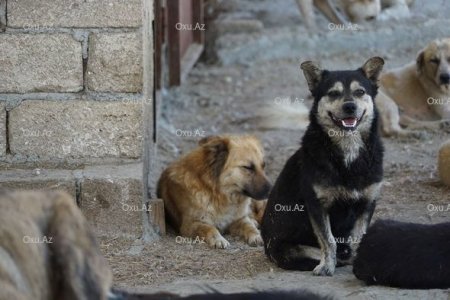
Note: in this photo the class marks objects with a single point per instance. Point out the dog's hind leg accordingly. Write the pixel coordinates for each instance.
(307, 11)
(437, 125)
(390, 118)
(327, 8)
(294, 257)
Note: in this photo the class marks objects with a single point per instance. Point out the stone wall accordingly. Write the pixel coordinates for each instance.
(71, 81)
(74, 104)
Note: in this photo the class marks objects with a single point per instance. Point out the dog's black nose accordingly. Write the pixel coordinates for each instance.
(370, 18)
(445, 78)
(349, 107)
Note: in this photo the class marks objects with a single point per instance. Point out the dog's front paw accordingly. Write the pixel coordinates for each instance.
(254, 240)
(323, 269)
(218, 242)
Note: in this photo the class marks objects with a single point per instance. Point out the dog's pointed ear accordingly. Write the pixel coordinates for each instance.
(207, 139)
(312, 72)
(420, 61)
(372, 68)
(216, 153)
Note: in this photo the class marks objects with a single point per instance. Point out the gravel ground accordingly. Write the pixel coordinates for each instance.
(225, 99)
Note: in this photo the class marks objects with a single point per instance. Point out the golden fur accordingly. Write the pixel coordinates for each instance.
(355, 10)
(210, 190)
(417, 89)
(47, 251)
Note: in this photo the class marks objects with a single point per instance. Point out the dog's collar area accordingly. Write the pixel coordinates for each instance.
(346, 123)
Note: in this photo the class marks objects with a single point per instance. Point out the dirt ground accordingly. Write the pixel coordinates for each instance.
(225, 99)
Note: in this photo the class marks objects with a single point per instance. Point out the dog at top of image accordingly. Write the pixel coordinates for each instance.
(47, 250)
(355, 10)
(210, 190)
(421, 89)
(324, 198)
(405, 255)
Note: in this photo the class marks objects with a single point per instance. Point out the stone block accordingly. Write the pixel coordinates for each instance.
(111, 200)
(65, 130)
(115, 63)
(74, 13)
(38, 180)
(40, 63)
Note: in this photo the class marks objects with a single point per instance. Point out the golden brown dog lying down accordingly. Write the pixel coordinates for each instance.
(420, 89)
(210, 190)
(47, 251)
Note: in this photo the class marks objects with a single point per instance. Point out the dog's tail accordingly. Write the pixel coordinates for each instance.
(294, 116)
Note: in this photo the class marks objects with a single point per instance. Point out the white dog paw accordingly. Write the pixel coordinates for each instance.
(255, 240)
(219, 242)
(324, 269)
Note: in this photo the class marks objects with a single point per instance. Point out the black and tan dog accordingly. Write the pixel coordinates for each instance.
(323, 200)
(405, 255)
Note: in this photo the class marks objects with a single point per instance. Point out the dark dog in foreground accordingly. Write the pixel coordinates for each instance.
(324, 198)
(405, 255)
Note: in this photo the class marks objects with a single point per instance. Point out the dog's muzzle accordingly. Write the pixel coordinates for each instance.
(350, 121)
(444, 78)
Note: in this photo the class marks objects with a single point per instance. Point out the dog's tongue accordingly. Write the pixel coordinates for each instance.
(349, 122)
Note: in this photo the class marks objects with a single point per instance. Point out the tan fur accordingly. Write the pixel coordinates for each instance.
(204, 193)
(257, 208)
(47, 251)
(409, 89)
(444, 163)
(356, 10)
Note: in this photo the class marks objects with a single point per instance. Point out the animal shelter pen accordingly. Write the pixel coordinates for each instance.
(99, 97)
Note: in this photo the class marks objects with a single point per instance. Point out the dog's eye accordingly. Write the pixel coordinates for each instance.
(263, 164)
(434, 61)
(359, 93)
(334, 94)
(249, 167)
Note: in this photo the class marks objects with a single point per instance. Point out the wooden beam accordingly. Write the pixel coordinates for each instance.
(198, 18)
(157, 216)
(173, 17)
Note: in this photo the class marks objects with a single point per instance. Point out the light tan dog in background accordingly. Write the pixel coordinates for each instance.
(354, 10)
(421, 90)
(210, 190)
(47, 251)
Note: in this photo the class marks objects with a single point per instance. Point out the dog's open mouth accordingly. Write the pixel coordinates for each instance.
(348, 122)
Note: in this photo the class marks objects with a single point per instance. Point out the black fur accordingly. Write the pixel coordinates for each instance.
(405, 255)
(320, 161)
